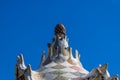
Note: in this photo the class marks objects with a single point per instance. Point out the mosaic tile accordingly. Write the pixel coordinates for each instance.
(61, 78)
(58, 72)
(58, 67)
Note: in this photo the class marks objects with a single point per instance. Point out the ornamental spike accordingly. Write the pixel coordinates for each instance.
(29, 69)
(103, 68)
(77, 56)
(20, 62)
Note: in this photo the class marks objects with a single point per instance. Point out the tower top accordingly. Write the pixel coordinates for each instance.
(60, 64)
(60, 29)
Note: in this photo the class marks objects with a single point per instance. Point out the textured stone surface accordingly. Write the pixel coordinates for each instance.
(60, 63)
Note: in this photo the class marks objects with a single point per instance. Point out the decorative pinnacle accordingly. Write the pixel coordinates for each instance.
(60, 29)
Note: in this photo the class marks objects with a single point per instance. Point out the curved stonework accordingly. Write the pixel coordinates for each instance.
(60, 64)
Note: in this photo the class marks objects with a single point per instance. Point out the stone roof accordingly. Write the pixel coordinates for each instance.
(60, 64)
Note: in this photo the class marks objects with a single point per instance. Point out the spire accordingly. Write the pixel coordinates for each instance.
(60, 36)
(60, 29)
(43, 57)
(20, 67)
(60, 64)
(20, 62)
(29, 69)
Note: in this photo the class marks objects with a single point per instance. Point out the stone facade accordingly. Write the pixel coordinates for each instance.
(60, 63)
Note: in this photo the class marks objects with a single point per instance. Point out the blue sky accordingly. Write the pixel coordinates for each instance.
(26, 26)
